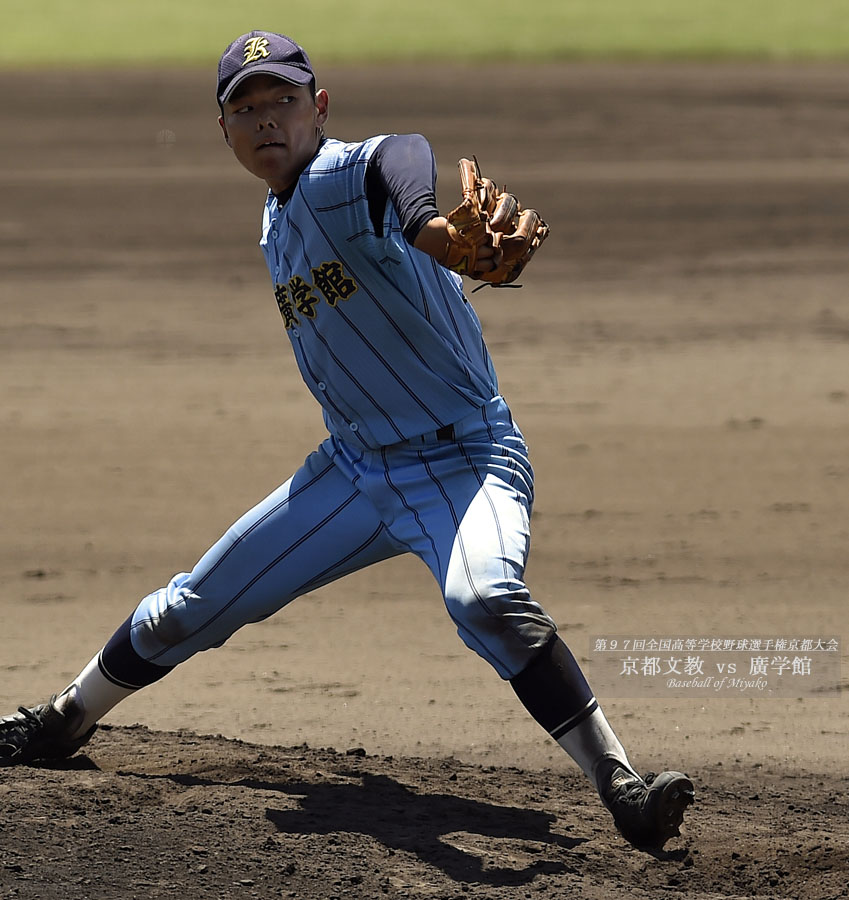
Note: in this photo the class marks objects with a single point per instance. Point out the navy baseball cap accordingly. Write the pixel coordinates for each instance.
(262, 52)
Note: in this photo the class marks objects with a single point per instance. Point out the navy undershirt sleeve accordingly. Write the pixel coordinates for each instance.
(402, 170)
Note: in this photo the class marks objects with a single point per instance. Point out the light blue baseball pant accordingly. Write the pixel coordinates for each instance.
(462, 505)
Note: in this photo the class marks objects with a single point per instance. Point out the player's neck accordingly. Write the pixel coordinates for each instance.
(285, 195)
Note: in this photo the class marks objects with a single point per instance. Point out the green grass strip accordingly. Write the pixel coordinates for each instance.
(57, 32)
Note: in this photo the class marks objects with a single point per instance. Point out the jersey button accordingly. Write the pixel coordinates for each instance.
(354, 427)
(322, 386)
(295, 332)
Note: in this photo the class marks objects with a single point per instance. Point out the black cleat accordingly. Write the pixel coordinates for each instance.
(647, 812)
(38, 732)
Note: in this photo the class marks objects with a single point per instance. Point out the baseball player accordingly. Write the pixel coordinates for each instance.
(422, 454)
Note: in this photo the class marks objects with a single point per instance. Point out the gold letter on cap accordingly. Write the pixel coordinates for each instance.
(255, 48)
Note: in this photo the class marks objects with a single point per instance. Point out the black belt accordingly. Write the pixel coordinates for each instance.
(445, 433)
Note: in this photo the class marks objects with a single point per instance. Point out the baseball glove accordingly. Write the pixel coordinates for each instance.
(487, 214)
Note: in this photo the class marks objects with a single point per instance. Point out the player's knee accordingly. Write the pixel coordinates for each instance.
(165, 620)
(501, 612)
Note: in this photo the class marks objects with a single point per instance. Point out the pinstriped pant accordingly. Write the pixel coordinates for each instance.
(462, 506)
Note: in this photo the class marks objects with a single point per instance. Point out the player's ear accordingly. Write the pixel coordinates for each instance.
(322, 106)
(224, 129)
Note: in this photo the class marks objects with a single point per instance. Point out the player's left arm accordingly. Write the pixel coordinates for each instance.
(435, 239)
(402, 170)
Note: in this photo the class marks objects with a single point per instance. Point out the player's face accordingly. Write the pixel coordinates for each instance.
(273, 128)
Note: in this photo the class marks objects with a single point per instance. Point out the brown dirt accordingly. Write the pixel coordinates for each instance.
(677, 362)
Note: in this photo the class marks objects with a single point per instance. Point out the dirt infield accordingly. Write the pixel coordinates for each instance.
(165, 814)
(677, 361)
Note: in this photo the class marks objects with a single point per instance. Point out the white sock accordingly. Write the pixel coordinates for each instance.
(89, 697)
(592, 742)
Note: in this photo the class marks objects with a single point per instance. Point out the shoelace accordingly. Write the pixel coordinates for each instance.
(20, 728)
(636, 789)
(28, 714)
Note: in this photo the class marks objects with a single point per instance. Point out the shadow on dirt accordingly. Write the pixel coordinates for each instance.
(401, 819)
(430, 826)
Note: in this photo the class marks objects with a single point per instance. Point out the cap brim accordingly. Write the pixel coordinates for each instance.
(292, 74)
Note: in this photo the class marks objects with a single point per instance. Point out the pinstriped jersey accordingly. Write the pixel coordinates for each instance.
(383, 335)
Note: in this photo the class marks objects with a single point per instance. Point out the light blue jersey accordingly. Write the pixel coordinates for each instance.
(383, 336)
(423, 455)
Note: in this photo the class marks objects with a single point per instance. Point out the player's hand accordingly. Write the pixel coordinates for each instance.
(434, 239)
(489, 255)
(491, 236)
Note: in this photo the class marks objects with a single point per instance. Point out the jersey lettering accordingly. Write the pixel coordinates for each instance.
(281, 292)
(298, 297)
(302, 296)
(330, 279)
